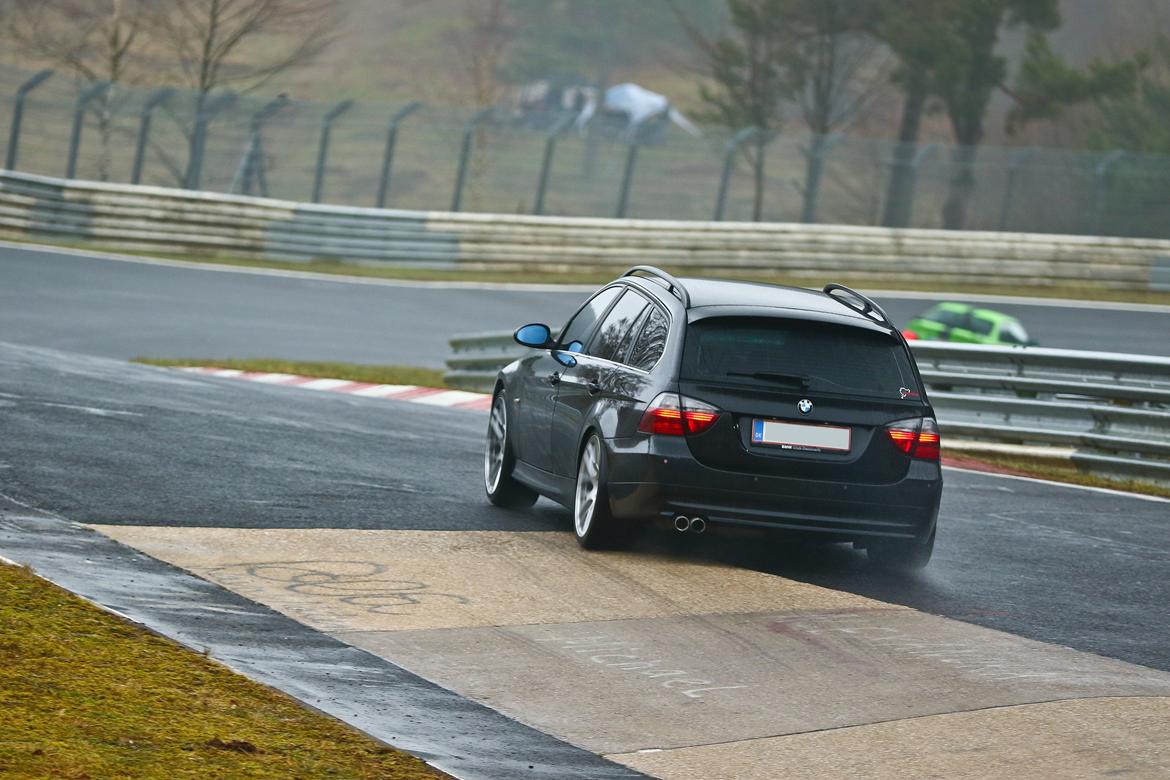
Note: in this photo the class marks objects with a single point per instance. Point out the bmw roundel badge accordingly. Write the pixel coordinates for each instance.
(804, 405)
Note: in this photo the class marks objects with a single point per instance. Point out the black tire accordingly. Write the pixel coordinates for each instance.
(901, 555)
(593, 522)
(501, 487)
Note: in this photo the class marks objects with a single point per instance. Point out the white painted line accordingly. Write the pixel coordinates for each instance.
(1107, 491)
(448, 398)
(383, 391)
(325, 384)
(227, 373)
(274, 379)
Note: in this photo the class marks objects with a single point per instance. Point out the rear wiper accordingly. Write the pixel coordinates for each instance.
(800, 380)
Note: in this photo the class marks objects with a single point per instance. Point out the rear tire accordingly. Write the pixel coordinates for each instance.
(901, 555)
(593, 523)
(501, 487)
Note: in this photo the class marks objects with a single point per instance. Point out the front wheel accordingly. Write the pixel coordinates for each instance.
(593, 523)
(501, 487)
(901, 555)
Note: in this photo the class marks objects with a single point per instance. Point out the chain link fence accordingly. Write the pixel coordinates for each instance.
(506, 160)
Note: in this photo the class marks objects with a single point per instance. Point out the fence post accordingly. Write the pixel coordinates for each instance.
(1102, 171)
(546, 163)
(640, 134)
(83, 101)
(205, 111)
(465, 154)
(156, 99)
(915, 162)
(18, 114)
(251, 164)
(323, 147)
(1009, 193)
(816, 165)
(391, 142)
(744, 135)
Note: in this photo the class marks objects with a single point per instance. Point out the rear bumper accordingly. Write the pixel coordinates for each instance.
(657, 477)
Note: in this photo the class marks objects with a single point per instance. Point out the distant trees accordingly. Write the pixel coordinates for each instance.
(948, 51)
(814, 53)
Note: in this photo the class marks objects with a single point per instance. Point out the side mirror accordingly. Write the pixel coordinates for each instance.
(535, 335)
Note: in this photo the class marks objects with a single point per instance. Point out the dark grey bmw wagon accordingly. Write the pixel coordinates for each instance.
(709, 403)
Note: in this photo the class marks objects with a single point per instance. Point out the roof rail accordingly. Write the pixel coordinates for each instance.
(672, 284)
(867, 308)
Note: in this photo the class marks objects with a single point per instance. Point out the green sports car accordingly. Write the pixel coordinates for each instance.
(968, 324)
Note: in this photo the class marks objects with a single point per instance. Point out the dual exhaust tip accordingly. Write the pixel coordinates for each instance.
(695, 525)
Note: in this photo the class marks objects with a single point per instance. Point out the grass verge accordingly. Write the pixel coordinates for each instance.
(554, 275)
(375, 375)
(1055, 470)
(88, 695)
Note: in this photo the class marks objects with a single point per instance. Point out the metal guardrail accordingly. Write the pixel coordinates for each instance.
(1112, 410)
(124, 216)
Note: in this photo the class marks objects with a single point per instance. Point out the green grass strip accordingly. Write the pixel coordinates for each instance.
(88, 695)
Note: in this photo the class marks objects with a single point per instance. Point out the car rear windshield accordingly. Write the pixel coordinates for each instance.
(804, 354)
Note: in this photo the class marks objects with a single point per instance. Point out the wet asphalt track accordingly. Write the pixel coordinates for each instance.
(100, 441)
(122, 310)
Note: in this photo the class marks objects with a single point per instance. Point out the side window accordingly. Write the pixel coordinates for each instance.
(613, 337)
(582, 324)
(952, 319)
(981, 326)
(651, 341)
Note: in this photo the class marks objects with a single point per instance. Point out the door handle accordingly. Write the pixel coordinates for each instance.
(554, 378)
(593, 388)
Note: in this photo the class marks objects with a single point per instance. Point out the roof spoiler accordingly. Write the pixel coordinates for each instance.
(672, 284)
(862, 304)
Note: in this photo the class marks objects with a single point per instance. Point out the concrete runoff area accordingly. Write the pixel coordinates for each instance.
(687, 669)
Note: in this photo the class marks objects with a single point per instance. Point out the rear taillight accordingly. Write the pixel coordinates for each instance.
(909, 335)
(673, 415)
(918, 438)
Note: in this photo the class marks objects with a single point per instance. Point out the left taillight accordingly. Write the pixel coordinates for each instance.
(673, 415)
(918, 437)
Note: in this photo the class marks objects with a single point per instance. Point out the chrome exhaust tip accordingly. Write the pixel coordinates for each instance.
(698, 525)
(682, 524)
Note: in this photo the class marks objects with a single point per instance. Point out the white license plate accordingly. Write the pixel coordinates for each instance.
(799, 436)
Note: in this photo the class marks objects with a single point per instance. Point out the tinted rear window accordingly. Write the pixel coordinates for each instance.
(835, 358)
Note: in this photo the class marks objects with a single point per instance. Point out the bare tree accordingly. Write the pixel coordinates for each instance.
(96, 40)
(243, 43)
(479, 45)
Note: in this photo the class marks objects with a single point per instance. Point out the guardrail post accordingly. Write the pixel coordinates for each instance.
(83, 101)
(550, 144)
(1099, 175)
(391, 142)
(821, 145)
(1009, 193)
(465, 155)
(323, 147)
(18, 114)
(205, 111)
(156, 99)
(640, 135)
(730, 150)
(251, 167)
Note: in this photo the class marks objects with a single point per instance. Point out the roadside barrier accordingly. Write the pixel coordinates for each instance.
(131, 217)
(1112, 410)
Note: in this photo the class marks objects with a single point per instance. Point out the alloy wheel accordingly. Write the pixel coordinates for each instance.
(588, 482)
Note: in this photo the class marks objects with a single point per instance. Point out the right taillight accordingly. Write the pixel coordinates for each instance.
(673, 415)
(918, 437)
